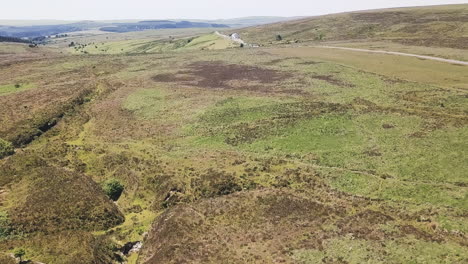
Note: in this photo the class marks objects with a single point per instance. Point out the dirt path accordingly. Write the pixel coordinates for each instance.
(398, 53)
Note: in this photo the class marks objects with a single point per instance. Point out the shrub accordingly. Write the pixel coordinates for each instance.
(4, 225)
(6, 148)
(320, 36)
(19, 253)
(113, 189)
(279, 37)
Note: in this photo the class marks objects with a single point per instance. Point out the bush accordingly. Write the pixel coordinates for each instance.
(4, 225)
(6, 148)
(113, 189)
(19, 253)
(279, 38)
(320, 36)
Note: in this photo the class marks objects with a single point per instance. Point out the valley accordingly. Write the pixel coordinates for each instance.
(201, 150)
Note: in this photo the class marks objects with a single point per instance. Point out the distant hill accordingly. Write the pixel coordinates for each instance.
(158, 24)
(12, 39)
(41, 28)
(438, 26)
(252, 21)
(38, 31)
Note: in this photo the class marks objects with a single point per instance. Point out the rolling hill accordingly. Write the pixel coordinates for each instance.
(434, 26)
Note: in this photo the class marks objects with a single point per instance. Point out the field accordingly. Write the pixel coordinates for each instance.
(279, 154)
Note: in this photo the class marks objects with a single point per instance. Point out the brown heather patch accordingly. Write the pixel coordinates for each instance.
(218, 74)
(266, 226)
(331, 80)
(364, 224)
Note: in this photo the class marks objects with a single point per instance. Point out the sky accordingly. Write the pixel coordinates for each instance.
(201, 9)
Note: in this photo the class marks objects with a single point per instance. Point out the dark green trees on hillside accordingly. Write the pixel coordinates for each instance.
(113, 189)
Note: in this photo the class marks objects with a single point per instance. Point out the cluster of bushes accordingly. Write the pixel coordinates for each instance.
(6, 148)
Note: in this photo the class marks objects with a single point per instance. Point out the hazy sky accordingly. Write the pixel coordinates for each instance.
(206, 9)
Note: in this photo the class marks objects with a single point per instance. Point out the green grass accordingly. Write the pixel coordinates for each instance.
(134, 46)
(14, 88)
(353, 250)
(5, 148)
(147, 103)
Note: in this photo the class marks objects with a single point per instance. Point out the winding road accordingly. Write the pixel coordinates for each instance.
(238, 40)
(399, 54)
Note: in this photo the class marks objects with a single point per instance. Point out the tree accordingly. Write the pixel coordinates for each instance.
(113, 189)
(279, 37)
(19, 253)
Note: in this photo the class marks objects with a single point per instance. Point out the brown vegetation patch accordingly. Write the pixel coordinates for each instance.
(277, 61)
(257, 225)
(263, 226)
(309, 63)
(221, 75)
(419, 234)
(65, 247)
(373, 153)
(58, 199)
(169, 77)
(365, 224)
(331, 80)
(218, 74)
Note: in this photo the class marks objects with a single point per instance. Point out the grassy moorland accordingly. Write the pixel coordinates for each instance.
(268, 155)
(138, 46)
(432, 26)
